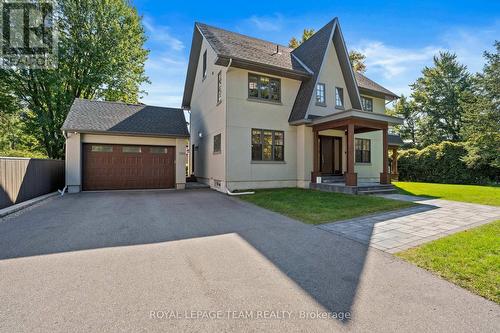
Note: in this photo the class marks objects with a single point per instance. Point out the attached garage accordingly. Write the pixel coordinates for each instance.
(118, 146)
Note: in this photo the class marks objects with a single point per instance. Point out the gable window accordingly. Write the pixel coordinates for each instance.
(205, 64)
(263, 87)
(367, 103)
(339, 97)
(217, 143)
(219, 87)
(363, 151)
(268, 145)
(320, 94)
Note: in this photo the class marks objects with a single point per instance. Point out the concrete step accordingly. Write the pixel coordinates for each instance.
(377, 191)
(332, 179)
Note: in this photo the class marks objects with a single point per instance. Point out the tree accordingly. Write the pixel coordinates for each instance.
(481, 128)
(357, 61)
(406, 109)
(438, 96)
(306, 34)
(101, 56)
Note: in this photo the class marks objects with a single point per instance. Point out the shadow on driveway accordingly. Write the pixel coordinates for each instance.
(326, 266)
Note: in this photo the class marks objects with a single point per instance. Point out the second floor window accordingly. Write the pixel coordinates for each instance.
(363, 151)
(320, 93)
(205, 64)
(268, 145)
(367, 103)
(339, 97)
(263, 87)
(219, 87)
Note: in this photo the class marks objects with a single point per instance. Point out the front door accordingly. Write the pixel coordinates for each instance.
(330, 155)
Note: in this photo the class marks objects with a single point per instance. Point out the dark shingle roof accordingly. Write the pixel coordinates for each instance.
(303, 63)
(366, 83)
(311, 53)
(237, 46)
(394, 140)
(115, 117)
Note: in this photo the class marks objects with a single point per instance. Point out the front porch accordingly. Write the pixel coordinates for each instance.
(341, 174)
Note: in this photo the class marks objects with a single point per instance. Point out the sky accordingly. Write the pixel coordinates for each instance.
(398, 38)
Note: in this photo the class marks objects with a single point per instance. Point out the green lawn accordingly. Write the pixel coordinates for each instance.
(470, 259)
(315, 207)
(486, 195)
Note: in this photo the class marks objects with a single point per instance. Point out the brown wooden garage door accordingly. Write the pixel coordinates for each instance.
(118, 167)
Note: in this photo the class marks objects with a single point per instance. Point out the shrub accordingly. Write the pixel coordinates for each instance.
(442, 163)
(21, 153)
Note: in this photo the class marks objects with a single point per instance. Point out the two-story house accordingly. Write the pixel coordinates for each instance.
(265, 115)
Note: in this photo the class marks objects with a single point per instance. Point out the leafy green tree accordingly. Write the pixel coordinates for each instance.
(481, 128)
(438, 96)
(357, 61)
(405, 108)
(306, 34)
(101, 56)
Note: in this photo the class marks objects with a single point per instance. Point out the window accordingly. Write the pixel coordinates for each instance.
(205, 64)
(219, 87)
(320, 94)
(363, 154)
(217, 144)
(339, 97)
(263, 87)
(131, 149)
(367, 103)
(267, 145)
(158, 150)
(102, 149)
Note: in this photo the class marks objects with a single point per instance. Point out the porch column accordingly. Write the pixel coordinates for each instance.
(351, 178)
(384, 176)
(394, 175)
(315, 172)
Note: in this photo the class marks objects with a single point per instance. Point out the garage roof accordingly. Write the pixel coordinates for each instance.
(121, 118)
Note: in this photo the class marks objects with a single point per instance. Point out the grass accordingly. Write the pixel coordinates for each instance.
(486, 195)
(470, 259)
(315, 207)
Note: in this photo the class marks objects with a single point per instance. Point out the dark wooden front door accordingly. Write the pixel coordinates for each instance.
(330, 155)
(118, 167)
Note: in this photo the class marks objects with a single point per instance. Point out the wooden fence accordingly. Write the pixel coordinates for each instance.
(22, 179)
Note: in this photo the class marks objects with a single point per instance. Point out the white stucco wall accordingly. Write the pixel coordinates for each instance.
(74, 154)
(209, 119)
(73, 162)
(243, 115)
(370, 172)
(331, 75)
(378, 103)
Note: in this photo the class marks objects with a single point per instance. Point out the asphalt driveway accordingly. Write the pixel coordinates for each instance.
(202, 261)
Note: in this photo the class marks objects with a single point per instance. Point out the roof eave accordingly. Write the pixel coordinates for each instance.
(375, 93)
(224, 60)
(120, 133)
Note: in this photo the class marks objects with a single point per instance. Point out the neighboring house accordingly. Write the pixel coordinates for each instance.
(264, 115)
(111, 146)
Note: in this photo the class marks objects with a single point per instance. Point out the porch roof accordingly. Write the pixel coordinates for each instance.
(355, 114)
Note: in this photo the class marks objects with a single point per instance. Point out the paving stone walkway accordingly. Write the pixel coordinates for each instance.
(399, 230)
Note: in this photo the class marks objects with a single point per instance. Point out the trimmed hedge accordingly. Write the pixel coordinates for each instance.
(442, 163)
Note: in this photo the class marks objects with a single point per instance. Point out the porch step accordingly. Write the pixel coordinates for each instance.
(332, 179)
(363, 189)
(377, 191)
